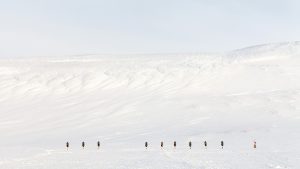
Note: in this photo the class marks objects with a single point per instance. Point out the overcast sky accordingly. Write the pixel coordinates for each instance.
(66, 27)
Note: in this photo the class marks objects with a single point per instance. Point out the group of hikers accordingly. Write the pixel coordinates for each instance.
(82, 144)
(175, 144)
(161, 144)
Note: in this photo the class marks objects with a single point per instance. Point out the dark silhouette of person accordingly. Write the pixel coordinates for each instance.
(190, 144)
(222, 144)
(254, 145)
(205, 144)
(67, 145)
(98, 144)
(174, 144)
(83, 144)
(146, 144)
(161, 144)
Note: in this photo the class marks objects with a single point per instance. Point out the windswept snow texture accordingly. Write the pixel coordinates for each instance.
(123, 101)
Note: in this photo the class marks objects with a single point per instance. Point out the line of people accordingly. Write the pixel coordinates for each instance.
(82, 144)
(161, 144)
(189, 144)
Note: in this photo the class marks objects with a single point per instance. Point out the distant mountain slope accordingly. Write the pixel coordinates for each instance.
(128, 97)
(285, 49)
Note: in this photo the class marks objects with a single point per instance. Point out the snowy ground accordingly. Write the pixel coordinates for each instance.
(172, 159)
(123, 101)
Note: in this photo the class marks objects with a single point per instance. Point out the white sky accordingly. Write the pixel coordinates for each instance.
(66, 27)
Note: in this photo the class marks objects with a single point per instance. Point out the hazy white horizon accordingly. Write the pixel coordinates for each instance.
(43, 28)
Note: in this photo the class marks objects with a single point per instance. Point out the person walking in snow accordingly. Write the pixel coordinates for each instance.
(146, 144)
(222, 144)
(174, 144)
(190, 145)
(161, 144)
(205, 144)
(67, 145)
(83, 144)
(98, 144)
(254, 144)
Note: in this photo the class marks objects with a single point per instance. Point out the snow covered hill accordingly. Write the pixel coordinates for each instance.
(124, 100)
